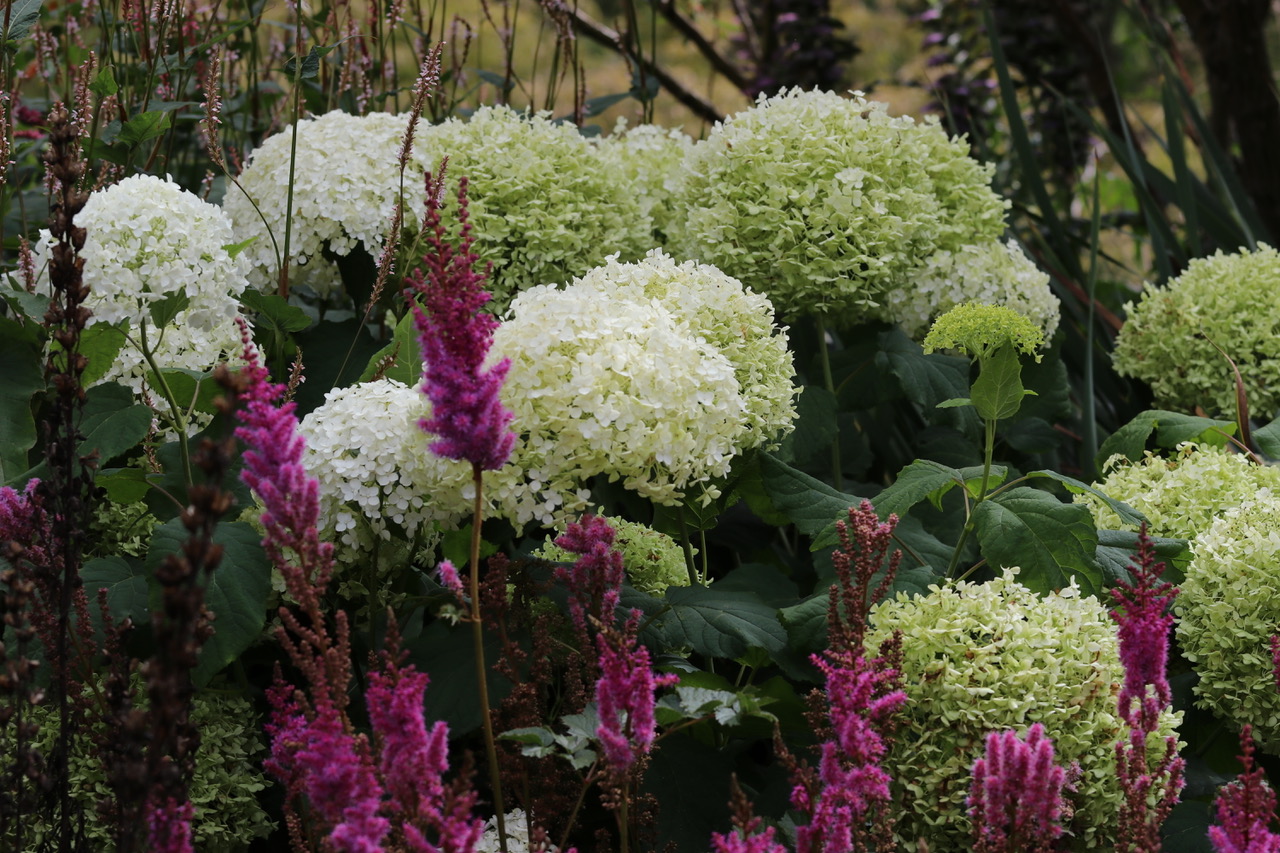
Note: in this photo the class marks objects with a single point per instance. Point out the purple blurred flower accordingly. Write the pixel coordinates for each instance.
(747, 840)
(22, 520)
(169, 827)
(455, 336)
(1246, 809)
(340, 784)
(1015, 801)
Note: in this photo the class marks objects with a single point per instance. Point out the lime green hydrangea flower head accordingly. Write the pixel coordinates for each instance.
(649, 156)
(1228, 608)
(980, 331)
(991, 273)
(1183, 493)
(1232, 300)
(545, 205)
(979, 658)
(825, 202)
(653, 560)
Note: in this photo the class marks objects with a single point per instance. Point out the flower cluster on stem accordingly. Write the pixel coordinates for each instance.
(1144, 620)
(1246, 809)
(1015, 801)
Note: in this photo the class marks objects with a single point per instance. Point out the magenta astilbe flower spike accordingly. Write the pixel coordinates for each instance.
(1015, 801)
(455, 335)
(340, 784)
(595, 579)
(22, 520)
(169, 827)
(625, 697)
(1144, 621)
(1246, 809)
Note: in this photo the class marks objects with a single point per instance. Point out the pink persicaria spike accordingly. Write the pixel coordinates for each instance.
(169, 827)
(455, 335)
(1015, 800)
(852, 782)
(1246, 809)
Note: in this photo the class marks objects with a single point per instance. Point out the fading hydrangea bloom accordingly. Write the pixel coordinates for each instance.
(1228, 608)
(345, 184)
(374, 468)
(617, 387)
(825, 202)
(146, 240)
(1182, 493)
(1232, 300)
(544, 206)
(993, 656)
(991, 273)
(650, 156)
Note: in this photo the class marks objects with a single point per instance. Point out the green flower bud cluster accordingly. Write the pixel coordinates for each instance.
(980, 331)
(1229, 300)
(987, 657)
(1183, 493)
(653, 560)
(1228, 609)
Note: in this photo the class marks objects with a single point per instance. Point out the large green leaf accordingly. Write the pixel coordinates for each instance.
(926, 379)
(446, 654)
(720, 624)
(274, 313)
(407, 366)
(925, 478)
(20, 380)
(1052, 541)
(1127, 514)
(100, 344)
(335, 354)
(113, 423)
(1268, 439)
(1117, 547)
(23, 15)
(235, 592)
(809, 503)
(815, 424)
(126, 585)
(997, 392)
(1170, 430)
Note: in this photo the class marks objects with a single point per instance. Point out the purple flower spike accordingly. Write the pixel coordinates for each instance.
(169, 827)
(455, 336)
(1246, 809)
(624, 697)
(1015, 801)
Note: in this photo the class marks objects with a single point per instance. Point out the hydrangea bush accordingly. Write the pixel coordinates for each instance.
(985, 657)
(1180, 494)
(1228, 299)
(825, 203)
(1228, 610)
(148, 240)
(650, 156)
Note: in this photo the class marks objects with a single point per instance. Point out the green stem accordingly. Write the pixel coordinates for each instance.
(989, 428)
(688, 547)
(837, 475)
(477, 636)
(179, 420)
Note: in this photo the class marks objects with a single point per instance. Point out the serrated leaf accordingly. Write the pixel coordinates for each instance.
(163, 311)
(113, 423)
(193, 390)
(926, 379)
(699, 701)
(1053, 542)
(925, 478)
(954, 403)
(123, 485)
(407, 367)
(720, 624)
(104, 83)
(815, 423)
(144, 126)
(997, 392)
(1170, 430)
(1117, 547)
(1268, 439)
(274, 312)
(100, 344)
(809, 503)
(1127, 514)
(126, 585)
(235, 592)
(807, 624)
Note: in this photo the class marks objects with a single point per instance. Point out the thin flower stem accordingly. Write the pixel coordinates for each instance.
(179, 421)
(837, 468)
(688, 547)
(477, 635)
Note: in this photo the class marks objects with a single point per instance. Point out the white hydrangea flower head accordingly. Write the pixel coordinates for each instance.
(1228, 608)
(375, 470)
(616, 387)
(1232, 300)
(516, 824)
(650, 156)
(825, 202)
(1183, 493)
(984, 657)
(545, 206)
(724, 313)
(147, 239)
(345, 184)
(990, 273)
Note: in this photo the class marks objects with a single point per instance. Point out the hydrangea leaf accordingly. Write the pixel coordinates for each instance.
(926, 378)
(21, 379)
(815, 424)
(1117, 547)
(1268, 439)
(1127, 513)
(446, 654)
(720, 624)
(235, 592)
(809, 503)
(112, 424)
(997, 392)
(1186, 829)
(269, 309)
(925, 478)
(100, 344)
(1169, 428)
(1053, 542)
(126, 586)
(407, 366)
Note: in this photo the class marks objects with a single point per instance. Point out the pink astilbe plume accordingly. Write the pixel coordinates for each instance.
(455, 335)
(1246, 809)
(1015, 801)
(745, 837)
(169, 827)
(625, 697)
(1144, 620)
(595, 579)
(846, 798)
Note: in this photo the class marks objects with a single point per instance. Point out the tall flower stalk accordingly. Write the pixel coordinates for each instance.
(447, 297)
(1015, 801)
(1144, 620)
